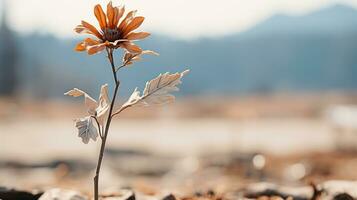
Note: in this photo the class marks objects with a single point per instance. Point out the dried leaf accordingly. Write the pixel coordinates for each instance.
(90, 103)
(133, 99)
(86, 129)
(98, 109)
(103, 105)
(129, 57)
(157, 91)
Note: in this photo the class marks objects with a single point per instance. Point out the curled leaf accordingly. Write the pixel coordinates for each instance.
(86, 129)
(90, 103)
(130, 57)
(103, 105)
(98, 109)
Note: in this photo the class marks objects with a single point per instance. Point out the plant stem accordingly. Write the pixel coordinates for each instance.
(106, 130)
(98, 125)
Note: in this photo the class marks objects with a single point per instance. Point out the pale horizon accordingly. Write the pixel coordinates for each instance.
(179, 19)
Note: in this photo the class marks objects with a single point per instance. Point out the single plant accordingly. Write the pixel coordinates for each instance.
(115, 34)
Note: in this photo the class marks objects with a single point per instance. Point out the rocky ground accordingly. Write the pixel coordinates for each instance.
(253, 150)
(149, 176)
(339, 190)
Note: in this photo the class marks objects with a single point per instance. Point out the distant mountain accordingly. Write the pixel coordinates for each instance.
(317, 51)
(337, 19)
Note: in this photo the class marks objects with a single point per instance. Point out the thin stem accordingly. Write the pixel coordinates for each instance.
(96, 177)
(106, 129)
(118, 68)
(120, 110)
(99, 127)
(111, 60)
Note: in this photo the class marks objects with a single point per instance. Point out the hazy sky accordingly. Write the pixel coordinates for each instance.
(178, 18)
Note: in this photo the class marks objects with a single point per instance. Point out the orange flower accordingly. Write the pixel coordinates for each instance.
(112, 34)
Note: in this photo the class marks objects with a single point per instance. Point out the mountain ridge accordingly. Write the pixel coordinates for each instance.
(289, 54)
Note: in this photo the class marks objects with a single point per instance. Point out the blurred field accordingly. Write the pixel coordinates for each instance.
(177, 145)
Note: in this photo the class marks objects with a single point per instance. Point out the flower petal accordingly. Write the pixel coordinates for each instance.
(137, 36)
(86, 28)
(150, 52)
(91, 42)
(131, 47)
(80, 46)
(118, 13)
(92, 29)
(96, 48)
(134, 24)
(100, 15)
(86, 129)
(116, 42)
(81, 29)
(110, 14)
(127, 19)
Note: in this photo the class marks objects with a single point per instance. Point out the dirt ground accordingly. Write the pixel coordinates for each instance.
(252, 149)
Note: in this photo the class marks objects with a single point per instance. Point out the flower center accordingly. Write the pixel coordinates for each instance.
(111, 34)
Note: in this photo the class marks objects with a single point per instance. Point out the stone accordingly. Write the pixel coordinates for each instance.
(12, 194)
(122, 194)
(338, 189)
(169, 197)
(272, 191)
(60, 194)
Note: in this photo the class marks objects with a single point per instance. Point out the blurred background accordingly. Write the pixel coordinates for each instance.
(271, 96)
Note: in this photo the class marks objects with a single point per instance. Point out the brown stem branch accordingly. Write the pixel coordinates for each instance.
(106, 129)
(99, 127)
(120, 110)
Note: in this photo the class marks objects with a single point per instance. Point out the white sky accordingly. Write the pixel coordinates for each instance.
(177, 18)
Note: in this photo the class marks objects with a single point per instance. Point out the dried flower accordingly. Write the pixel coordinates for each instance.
(112, 34)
